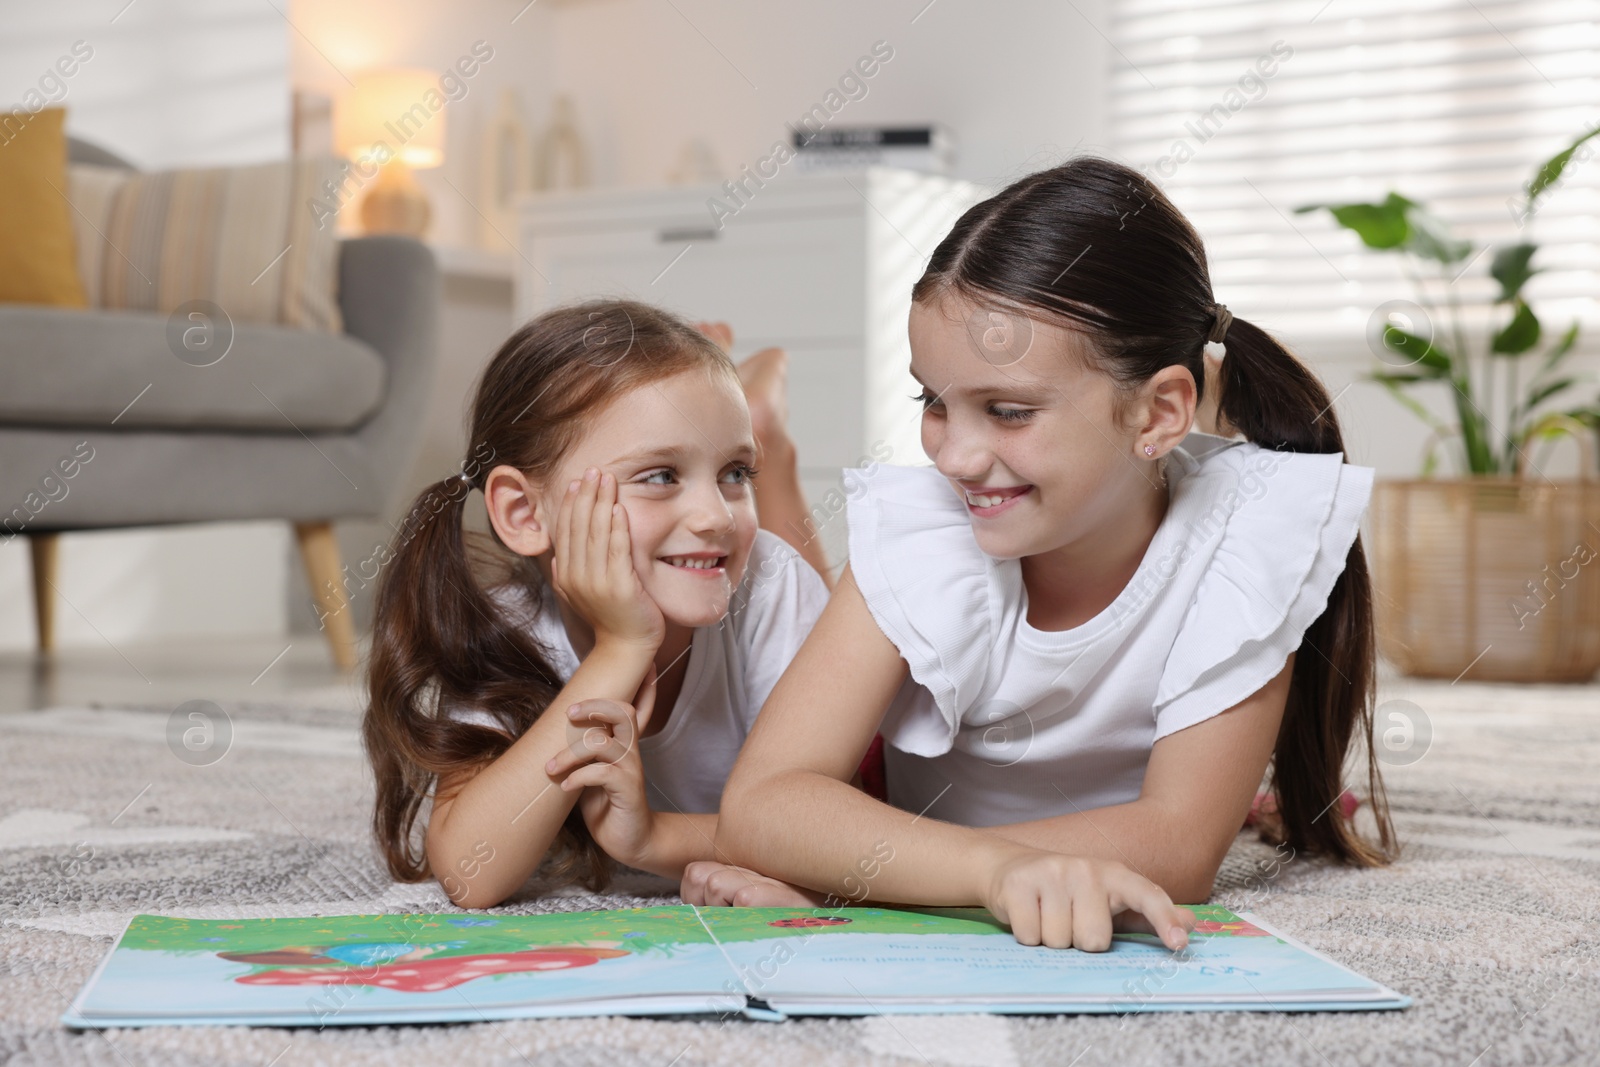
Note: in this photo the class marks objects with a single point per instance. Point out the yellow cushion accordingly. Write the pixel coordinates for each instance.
(38, 261)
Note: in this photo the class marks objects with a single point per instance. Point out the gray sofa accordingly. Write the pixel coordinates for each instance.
(294, 425)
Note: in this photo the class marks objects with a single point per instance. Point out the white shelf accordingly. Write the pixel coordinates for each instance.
(463, 261)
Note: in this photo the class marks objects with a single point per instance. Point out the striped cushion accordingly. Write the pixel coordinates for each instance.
(242, 237)
(93, 190)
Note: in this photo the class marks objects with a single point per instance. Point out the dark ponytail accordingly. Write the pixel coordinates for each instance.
(439, 639)
(1097, 247)
(1272, 399)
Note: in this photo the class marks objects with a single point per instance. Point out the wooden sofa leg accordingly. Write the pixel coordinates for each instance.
(320, 553)
(42, 549)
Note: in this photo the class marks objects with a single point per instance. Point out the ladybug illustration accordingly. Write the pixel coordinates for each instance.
(809, 920)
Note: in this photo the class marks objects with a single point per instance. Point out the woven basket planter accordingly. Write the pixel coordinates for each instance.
(1499, 575)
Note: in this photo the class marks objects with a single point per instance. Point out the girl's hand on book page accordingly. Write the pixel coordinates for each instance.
(708, 883)
(604, 762)
(1072, 901)
(592, 566)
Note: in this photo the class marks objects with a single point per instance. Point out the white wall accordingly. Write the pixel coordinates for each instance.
(1021, 82)
(167, 83)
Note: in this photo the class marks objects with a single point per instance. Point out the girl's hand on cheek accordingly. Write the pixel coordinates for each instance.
(1073, 902)
(592, 565)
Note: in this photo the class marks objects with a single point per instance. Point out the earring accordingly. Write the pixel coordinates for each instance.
(1149, 450)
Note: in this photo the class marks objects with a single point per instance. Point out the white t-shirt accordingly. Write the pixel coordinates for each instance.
(732, 667)
(1000, 722)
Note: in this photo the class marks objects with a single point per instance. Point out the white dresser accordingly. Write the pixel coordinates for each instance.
(819, 264)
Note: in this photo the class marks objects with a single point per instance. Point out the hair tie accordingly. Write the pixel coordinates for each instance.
(463, 476)
(1220, 324)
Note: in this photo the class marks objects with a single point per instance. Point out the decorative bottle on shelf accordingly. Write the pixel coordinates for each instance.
(563, 160)
(697, 164)
(507, 169)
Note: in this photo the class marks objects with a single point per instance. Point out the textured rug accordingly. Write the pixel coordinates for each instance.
(1490, 921)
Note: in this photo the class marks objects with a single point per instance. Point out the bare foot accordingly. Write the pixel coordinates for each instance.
(765, 377)
(766, 389)
(720, 332)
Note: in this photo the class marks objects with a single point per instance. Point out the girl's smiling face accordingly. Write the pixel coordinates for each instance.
(682, 452)
(1025, 429)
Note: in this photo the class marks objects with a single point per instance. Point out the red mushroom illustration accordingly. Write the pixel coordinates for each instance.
(432, 975)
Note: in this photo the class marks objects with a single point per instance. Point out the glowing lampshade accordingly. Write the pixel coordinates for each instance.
(393, 113)
(391, 123)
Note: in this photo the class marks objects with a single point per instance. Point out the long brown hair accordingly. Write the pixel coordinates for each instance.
(1142, 295)
(439, 639)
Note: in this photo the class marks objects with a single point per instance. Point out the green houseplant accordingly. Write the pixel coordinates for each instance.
(1492, 571)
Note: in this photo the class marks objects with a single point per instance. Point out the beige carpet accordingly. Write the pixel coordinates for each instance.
(1490, 922)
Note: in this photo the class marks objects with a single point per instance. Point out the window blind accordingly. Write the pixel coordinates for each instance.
(1242, 110)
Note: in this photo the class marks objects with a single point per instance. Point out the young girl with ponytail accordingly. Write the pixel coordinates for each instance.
(1088, 630)
(592, 705)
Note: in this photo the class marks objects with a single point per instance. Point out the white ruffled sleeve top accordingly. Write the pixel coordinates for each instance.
(1000, 722)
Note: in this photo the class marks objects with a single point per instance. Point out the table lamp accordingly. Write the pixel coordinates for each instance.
(392, 123)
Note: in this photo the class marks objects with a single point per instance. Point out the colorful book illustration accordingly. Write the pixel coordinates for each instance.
(764, 963)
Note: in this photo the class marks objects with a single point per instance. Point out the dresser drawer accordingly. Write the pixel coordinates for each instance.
(788, 278)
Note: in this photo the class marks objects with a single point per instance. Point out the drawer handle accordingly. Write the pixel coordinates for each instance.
(687, 233)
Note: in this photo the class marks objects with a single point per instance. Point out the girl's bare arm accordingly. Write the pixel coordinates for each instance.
(806, 743)
(488, 832)
(486, 835)
(821, 717)
(1197, 790)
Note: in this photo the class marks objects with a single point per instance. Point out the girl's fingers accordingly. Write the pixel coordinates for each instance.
(599, 776)
(1131, 922)
(1168, 921)
(607, 734)
(771, 893)
(600, 524)
(563, 554)
(1025, 925)
(596, 746)
(582, 512)
(765, 893)
(1056, 912)
(621, 544)
(616, 716)
(1091, 924)
(724, 885)
(693, 887)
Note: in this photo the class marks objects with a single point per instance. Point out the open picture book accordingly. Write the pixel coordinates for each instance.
(764, 963)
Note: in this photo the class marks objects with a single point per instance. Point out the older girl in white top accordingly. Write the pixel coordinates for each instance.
(1086, 631)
